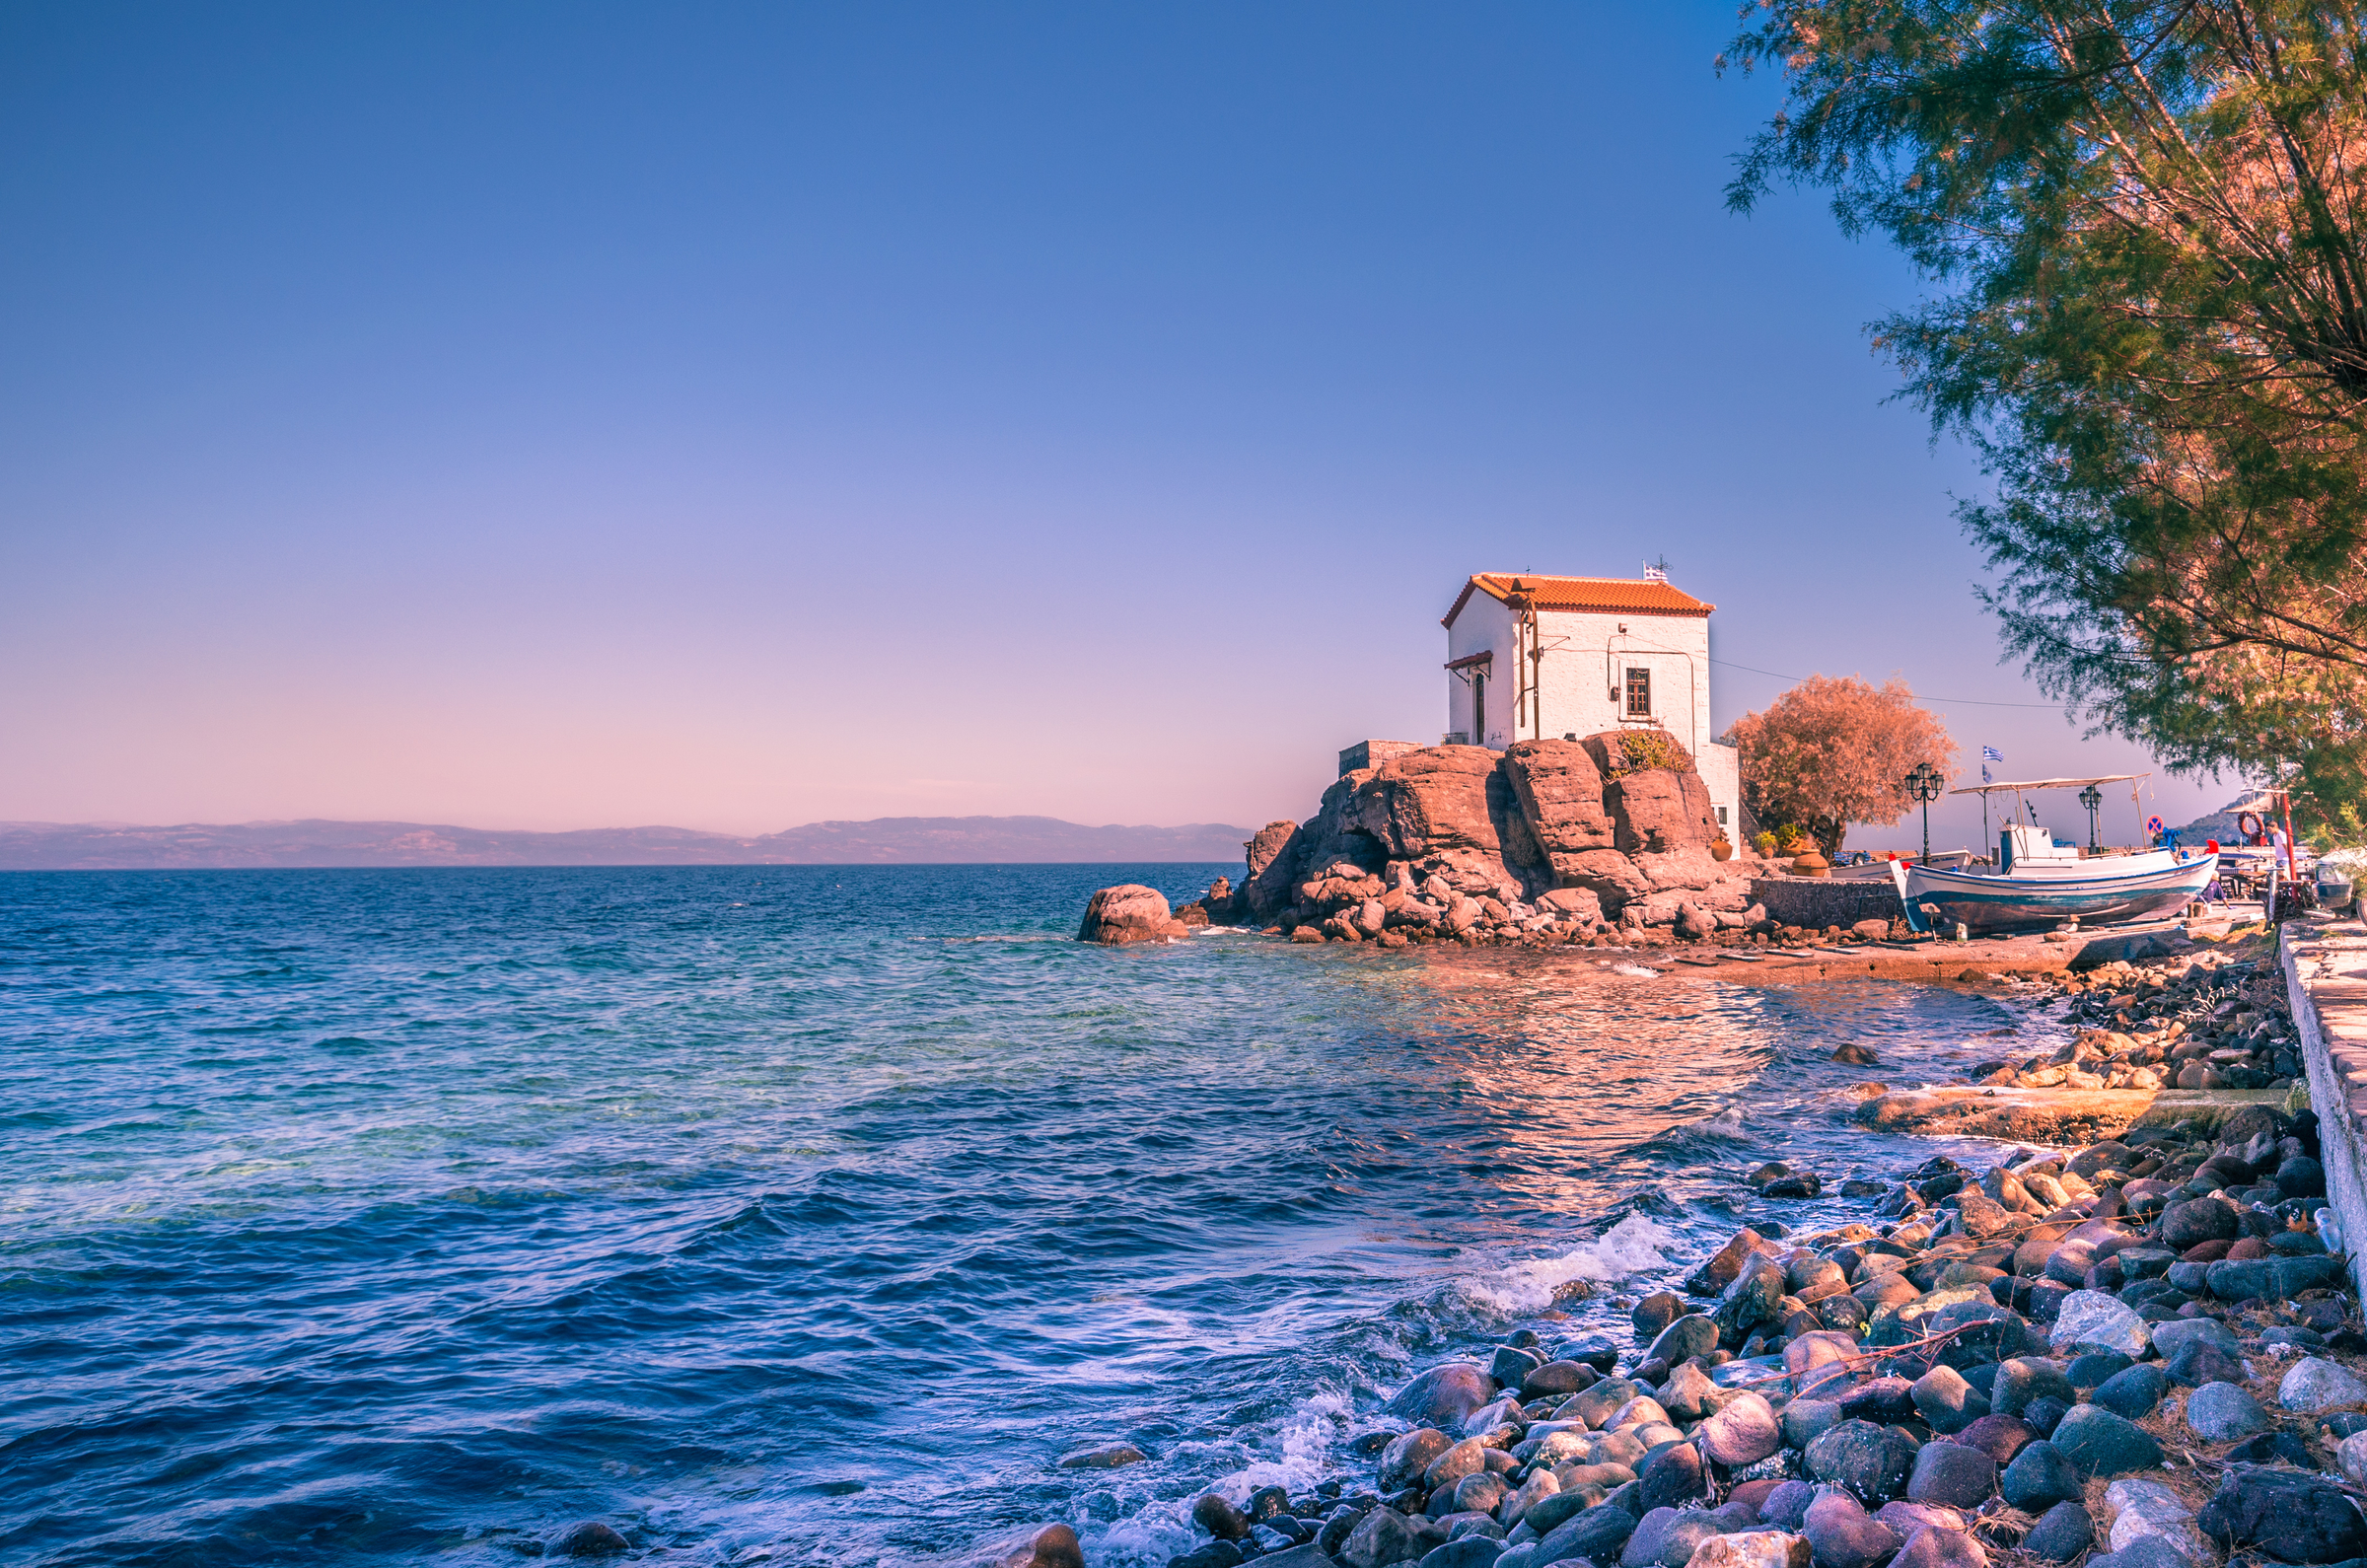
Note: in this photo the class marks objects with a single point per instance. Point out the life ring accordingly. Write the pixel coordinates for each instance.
(2256, 827)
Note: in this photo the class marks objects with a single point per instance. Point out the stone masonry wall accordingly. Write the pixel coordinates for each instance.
(2325, 981)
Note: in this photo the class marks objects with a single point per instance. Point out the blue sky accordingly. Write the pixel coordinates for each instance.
(734, 415)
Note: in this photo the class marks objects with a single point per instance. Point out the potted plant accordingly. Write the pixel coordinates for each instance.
(1719, 848)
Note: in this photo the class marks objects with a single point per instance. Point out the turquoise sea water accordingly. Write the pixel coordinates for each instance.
(803, 1214)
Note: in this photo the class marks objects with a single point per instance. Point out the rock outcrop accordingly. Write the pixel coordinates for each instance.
(1616, 826)
(1550, 840)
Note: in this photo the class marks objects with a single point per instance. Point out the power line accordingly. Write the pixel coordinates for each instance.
(1974, 702)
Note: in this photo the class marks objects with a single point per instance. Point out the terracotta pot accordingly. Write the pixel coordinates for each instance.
(1719, 849)
(1811, 864)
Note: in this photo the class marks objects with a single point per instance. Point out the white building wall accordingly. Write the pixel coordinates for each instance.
(1582, 683)
(1484, 625)
(1722, 772)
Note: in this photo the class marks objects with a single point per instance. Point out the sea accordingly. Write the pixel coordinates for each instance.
(810, 1215)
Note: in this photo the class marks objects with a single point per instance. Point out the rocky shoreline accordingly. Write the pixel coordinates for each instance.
(2142, 1352)
(2035, 1362)
(1606, 841)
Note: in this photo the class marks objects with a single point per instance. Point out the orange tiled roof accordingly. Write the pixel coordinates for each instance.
(1608, 595)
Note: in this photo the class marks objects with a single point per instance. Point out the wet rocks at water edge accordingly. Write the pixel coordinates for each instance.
(1036, 1546)
(1604, 840)
(1129, 914)
(1949, 1378)
(2208, 1019)
(592, 1538)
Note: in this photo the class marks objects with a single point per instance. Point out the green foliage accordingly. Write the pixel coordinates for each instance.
(2147, 222)
(1634, 750)
(1831, 751)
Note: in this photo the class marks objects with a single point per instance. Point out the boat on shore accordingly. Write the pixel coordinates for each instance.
(2039, 882)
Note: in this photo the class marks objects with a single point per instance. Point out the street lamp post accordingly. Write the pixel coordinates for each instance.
(1924, 785)
(2091, 798)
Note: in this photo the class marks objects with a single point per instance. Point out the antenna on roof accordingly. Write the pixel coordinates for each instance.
(1657, 571)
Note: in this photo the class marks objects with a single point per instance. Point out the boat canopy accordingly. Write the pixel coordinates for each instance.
(2051, 784)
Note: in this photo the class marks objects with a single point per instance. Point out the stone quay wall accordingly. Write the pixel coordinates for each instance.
(1816, 902)
(2325, 981)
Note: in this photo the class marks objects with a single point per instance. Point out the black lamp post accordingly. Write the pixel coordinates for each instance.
(1924, 785)
(2091, 798)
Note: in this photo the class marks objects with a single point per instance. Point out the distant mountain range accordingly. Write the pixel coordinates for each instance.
(886, 841)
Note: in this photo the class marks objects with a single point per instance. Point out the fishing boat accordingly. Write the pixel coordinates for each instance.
(2038, 882)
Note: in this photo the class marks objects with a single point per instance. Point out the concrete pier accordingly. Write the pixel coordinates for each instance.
(2326, 980)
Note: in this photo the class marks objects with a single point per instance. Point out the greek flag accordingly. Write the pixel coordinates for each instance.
(1984, 774)
(1990, 753)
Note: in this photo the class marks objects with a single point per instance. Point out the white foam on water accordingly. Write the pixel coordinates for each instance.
(1634, 1245)
(1726, 1124)
(1636, 970)
(1303, 1438)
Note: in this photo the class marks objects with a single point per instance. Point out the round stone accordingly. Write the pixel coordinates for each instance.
(2223, 1412)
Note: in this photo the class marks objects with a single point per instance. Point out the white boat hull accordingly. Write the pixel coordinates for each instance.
(2136, 887)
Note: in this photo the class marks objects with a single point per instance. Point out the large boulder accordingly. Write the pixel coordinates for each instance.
(1689, 869)
(1952, 1475)
(1665, 1538)
(1843, 1536)
(1335, 841)
(1273, 858)
(1130, 912)
(1444, 1396)
(2040, 1477)
(1725, 1265)
(2095, 1321)
(1659, 809)
(1745, 1432)
(2144, 1510)
(1429, 801)
(1597, 1535)
(1034, 1546)
(2290, 1517)
(1868, 1461)
(1560, 793)
(1384, 1536)
(2100, 1442)
(1409, 1454)
(2199, 1220)
(1609, 876)
(2061, 1533)
(2314, 1383)
(1672, 1477)
(2224, 1412)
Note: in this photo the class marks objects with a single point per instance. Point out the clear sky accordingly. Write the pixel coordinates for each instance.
(732, 415)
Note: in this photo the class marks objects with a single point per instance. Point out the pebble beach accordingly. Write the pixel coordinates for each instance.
(2139, 1350)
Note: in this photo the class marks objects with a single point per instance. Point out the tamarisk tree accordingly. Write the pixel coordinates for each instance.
(2143, 220)
(1830, 752)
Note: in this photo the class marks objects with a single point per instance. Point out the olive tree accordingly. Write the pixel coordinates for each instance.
(1831, 751)
(2143, 224)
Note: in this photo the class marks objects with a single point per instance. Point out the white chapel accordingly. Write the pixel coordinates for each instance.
(1534, 658)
